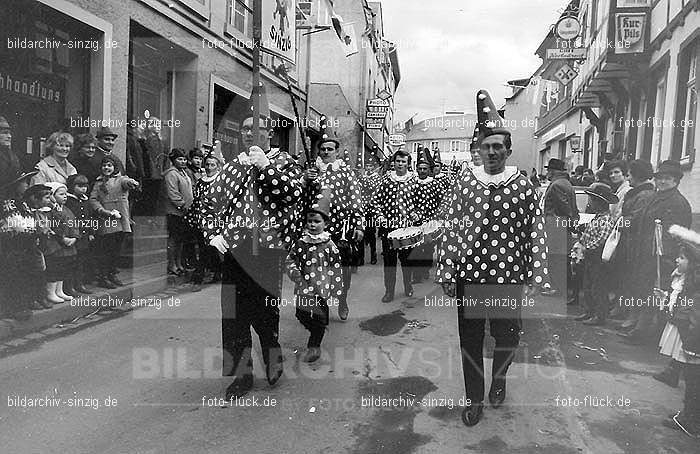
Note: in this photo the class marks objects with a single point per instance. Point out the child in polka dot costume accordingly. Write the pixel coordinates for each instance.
(428, 194)
(314, 265)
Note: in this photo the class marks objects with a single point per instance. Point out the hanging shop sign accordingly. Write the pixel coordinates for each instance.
(374, 123)
(630, 29)
(568, 28)
(377, 108)
(279, 28)
(565, 74)
(396, 140)
(576, 53)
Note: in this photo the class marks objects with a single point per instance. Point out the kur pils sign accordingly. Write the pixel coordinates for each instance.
(279, 28)
(630, 30)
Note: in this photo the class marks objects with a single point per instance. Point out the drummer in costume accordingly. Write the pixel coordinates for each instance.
(252, 199)
(500, 250)
(393, 208)
(428, 195)
(346, 221)
(369, 183)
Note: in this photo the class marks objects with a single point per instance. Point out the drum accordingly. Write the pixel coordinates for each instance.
(431, 231)
(406, 238)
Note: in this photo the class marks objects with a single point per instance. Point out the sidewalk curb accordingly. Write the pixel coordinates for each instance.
(64, 312)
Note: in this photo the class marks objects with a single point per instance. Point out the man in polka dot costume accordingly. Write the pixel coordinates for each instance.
(393, 206)
(346, 221)
(252, 199)
(428, 195)
(493, 245)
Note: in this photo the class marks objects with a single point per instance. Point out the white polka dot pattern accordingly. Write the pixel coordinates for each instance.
(481, 246)
(240, 194)
(315, 269)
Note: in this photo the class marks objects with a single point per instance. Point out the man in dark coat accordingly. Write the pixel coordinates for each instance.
(561, 215)
(670, 207)
(105, 146)
(9, 162)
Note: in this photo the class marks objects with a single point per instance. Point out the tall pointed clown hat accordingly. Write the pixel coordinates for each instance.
(424, 156)
(322, 204)
(474, 145)
(264, 104)
(490, 122)
(436, 157)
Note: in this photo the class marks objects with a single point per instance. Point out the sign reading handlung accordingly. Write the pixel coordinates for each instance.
(279, 28)
(630, 29)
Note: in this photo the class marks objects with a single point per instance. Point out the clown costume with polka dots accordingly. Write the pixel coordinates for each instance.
(346, 218)
(247, 215)
(314, 265)
(493, 246)
(393, 206)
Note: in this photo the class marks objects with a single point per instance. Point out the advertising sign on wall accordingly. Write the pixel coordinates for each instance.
(279, 28)
(630, 29)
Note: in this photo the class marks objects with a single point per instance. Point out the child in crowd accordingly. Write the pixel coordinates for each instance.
(681, 337)
(208, 257)
(21, 259)
(313, 264)
(59, 247)
(195, 164)
(110, 200)
(178, 200)
(78, 203)
(590, 247)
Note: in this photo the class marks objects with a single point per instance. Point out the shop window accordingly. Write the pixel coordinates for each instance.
(454, 145)
(691, 107)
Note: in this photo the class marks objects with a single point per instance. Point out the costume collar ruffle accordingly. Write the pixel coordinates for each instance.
(503, 178)
(207, 179)
(244, 159)
(401, 179)
(335, 165)
(315, 239)
(427, 180)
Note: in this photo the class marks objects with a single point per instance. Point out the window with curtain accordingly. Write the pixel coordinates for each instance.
(454, 145)
(691, 105)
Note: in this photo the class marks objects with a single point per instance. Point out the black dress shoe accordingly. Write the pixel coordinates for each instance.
(274, 371)
(115, 280)
(595, 321)
(471, 415)
(497, 393)
(388, 297)
(239, 387)
(105, 283)
(82, 289)
(583, 317)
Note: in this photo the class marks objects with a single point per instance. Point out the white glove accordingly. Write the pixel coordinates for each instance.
(219, 243)
(258, 158)
(116, 214)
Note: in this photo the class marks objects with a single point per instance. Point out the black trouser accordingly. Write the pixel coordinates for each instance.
(595, 284)
(371, 239)
(690, 416)
(422, 258)
(313, 315)
(390, 261)
(248, 292)
(108, 247)
(347, 260)
(23, 279)
(208, 259)
(504, 327)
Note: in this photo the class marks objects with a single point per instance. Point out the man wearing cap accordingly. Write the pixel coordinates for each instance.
(105, 145)
(493, 246)
(247, 215)
(670, 207)
(561, 215)
(346, 222)
(596, 272)
(9, 162)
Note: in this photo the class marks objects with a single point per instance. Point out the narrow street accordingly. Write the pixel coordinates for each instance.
(159, 370)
